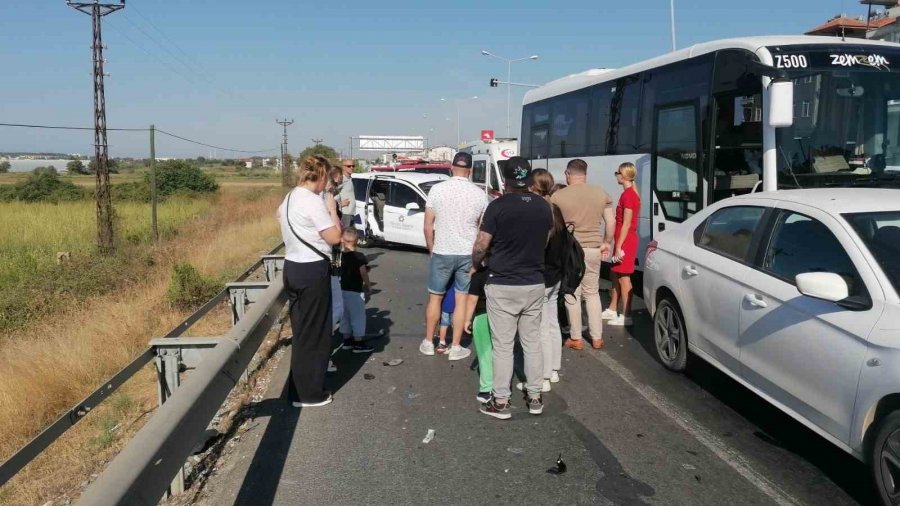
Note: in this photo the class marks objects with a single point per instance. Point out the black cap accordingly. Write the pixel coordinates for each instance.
(517, 172)
(462, 160)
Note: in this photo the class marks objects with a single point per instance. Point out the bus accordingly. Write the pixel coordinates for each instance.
(725, 118)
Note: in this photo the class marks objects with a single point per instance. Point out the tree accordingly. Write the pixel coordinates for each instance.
(76, 167)
(322, 150)
(5, 166)
(46, 170)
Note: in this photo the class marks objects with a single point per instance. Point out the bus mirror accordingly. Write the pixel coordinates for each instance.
(781, 103)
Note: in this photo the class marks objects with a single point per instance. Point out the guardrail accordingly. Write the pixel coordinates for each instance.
(224, 359)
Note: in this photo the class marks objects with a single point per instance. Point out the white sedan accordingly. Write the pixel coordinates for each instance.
(796, 295)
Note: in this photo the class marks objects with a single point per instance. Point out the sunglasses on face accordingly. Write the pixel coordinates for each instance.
(618, 173)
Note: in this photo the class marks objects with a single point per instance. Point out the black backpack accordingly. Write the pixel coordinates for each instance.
(573, 266)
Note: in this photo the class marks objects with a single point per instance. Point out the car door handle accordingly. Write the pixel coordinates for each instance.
(690, 270)
(755, 300)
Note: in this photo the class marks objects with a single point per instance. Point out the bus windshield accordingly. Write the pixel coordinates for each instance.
(846, 128)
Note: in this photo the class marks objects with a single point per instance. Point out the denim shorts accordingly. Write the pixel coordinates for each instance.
(446, 319)
(444, 268)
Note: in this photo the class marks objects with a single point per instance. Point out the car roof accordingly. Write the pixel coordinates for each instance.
(835, 200)
(410, 177)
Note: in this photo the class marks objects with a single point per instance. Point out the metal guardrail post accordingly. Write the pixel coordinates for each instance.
(142, 472)
(168, 364)
(273, 265)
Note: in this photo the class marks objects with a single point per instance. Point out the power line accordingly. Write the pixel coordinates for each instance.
(168, 39)
(145, 50)
(214, 147)
(164, 48)
(55, 127)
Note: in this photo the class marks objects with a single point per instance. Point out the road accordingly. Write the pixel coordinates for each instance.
(629, 431)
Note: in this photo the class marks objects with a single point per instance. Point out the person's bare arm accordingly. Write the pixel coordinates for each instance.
(429, 229)
(479, 251)
(471, 301)
(627, 216)
(367, 285)
(609, 219)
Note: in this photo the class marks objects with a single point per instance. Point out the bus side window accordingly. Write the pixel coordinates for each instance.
(624, 111)
(568, 128)
(601, 95)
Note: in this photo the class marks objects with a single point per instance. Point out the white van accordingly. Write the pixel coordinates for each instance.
(390, 206)
(488, 159)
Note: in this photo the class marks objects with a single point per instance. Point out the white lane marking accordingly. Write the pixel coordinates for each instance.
(728, 455)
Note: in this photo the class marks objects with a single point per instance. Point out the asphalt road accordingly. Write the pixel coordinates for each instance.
(629, 431)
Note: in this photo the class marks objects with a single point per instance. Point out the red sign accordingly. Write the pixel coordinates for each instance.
(487, 135)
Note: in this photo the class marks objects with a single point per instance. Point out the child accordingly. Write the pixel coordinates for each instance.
(355, 291)
(480, 330)
(447, 308)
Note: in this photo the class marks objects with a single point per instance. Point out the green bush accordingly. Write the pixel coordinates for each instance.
(179, 176)
(188, 288)
(137, 191)
(42, 185)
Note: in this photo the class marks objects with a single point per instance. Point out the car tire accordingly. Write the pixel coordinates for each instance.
(670, 335)
(884, 458)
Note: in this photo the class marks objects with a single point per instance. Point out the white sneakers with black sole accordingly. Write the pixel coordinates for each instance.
(324, 402)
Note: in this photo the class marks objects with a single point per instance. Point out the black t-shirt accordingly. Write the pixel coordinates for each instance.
(476, 287)
(351, 279)
(519, 224)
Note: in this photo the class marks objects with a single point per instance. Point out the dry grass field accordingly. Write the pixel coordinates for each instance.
(56, 361)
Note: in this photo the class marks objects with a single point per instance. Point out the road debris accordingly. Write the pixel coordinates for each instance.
(369, 376)
(429, 436)
(393, 362)
(560, 466)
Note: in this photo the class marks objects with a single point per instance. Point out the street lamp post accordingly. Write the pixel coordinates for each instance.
(457, 116)
(509, 63)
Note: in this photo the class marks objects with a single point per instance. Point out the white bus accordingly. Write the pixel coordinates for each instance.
(700, 123)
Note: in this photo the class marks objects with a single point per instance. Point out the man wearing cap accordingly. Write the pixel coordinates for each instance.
(452, 214)
(515, 229)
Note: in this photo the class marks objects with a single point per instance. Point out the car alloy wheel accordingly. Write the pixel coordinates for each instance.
(670, 335)
(886, 459)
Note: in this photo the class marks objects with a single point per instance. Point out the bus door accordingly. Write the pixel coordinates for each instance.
(675, 165)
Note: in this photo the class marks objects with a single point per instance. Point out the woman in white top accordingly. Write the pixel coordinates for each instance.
(310, 227)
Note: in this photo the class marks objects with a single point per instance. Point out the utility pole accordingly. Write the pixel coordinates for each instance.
(105, 239)
(284, 150)
(317, 141)
(153, 182)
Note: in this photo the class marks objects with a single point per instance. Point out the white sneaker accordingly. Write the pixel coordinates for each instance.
(458, 353)
(331, 367)
(545, 386)
(621, 321)
(313, 404)
(608, 314)
(427, 347)
(554, 377)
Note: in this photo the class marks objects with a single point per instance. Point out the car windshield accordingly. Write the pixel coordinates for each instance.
(846, 129)
(426, 187)
(881, 233)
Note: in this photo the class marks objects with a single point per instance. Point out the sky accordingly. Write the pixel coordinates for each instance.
(222, 71)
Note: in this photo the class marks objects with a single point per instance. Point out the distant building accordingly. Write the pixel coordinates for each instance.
(440, 154)
(882, 25)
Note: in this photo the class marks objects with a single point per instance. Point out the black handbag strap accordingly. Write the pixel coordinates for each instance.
(287, 212)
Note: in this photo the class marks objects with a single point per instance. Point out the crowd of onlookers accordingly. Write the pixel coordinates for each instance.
(506, 262)
(500, 270)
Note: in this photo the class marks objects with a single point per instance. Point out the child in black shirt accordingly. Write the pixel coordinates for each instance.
(355, 290)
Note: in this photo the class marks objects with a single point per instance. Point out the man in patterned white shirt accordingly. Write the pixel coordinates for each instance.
(452, 216)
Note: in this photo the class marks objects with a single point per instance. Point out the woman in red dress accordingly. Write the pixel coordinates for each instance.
(626, 245)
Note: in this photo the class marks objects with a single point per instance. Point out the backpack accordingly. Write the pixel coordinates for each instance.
(573, 266)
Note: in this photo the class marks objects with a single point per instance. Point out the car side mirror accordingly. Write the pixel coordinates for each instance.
(822, 285)
(780, 113)
(413, 206)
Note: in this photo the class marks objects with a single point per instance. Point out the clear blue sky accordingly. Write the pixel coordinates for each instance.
(339, 68)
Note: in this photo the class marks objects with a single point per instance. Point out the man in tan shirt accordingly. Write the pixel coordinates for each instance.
(590, 209)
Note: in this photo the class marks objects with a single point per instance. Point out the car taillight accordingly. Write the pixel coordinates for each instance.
(651, 247)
